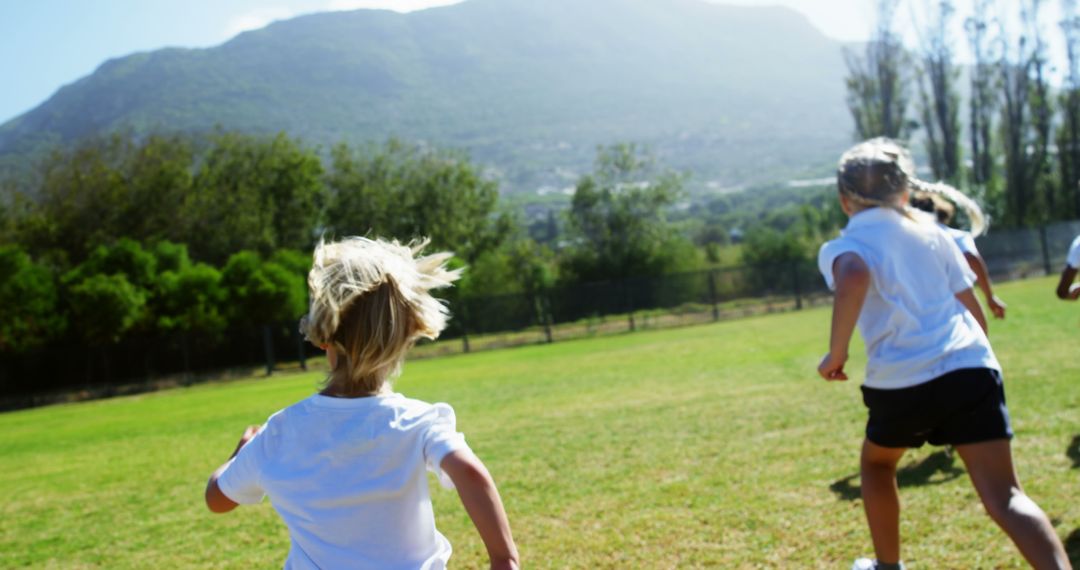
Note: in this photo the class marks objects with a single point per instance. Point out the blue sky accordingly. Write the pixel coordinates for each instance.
(46, 44)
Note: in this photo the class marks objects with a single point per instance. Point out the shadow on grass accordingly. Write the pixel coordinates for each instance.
(934, 469)
(1073, 452)
(1072, 546)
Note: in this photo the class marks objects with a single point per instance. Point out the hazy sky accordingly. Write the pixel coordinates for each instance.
(45, 44)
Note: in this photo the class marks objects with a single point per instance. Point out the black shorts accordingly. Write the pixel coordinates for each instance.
(962, 406)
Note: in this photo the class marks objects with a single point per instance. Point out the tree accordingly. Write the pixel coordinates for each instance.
(406, 191)
(254, 193)
(191, 299)
(1026, 121)
(1068, 139)
(129, 268)
(186, 297)
(618, 219)
(940, 103)
(126, 257)
(877, 82)
(983, 104)
(258, 292)
(105, 307)
(106, 188)
(169, 256)
(31, 315)
(296, 262)
(766, 246)
(7, 211)
(218, 194)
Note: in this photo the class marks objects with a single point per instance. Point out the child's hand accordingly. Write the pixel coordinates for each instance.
(997, 306)
(249, 433)
(832, 367)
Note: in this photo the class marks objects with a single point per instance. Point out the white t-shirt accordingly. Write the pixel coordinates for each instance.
(913, 326)
(1073, 258)
(347, 475)
(963, 239)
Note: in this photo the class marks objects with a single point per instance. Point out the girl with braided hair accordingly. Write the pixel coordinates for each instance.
(345, 468)
(931, 375)
(944, 211)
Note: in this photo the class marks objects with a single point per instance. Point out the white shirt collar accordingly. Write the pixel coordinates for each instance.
(873, 216)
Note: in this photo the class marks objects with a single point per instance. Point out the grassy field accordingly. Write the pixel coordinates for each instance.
(708, 446)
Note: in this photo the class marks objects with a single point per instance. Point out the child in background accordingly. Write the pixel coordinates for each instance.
(1067, 289)
(944, 210)
(345, 468)
(931, 374)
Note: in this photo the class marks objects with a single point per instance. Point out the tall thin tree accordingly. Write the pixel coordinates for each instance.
(877, 82)
(1068, 139)
(1026, 119)
(984, 102)
(939, 100)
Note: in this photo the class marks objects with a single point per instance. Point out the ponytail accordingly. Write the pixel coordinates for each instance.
(974, 212)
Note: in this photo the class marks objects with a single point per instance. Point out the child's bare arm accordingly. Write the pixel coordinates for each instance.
(1066, 289)
(997, 306)
(852, 278)
(216, 500)
(481, 500)
(967, 297)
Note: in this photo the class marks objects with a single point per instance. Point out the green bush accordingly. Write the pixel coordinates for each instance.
(105, 307)
(260, 292)
(191, 300)
(30, 316)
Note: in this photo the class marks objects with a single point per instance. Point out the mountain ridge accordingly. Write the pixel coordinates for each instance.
(528, 88)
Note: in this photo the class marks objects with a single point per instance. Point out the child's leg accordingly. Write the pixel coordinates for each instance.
(991, 469)
(881, 499)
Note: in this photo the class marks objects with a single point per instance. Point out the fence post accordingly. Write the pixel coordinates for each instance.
(540, 301)
(712, 296)
(186, 352)
(464, 327)
(629, 305)
(268, 349)
(1045, 249)
(300, 352)
(796, 286)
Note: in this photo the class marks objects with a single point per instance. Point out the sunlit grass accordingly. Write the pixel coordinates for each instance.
(706, 446)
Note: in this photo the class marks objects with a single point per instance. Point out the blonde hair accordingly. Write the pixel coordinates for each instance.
(370, 302)
(878, 171)
(979, 223)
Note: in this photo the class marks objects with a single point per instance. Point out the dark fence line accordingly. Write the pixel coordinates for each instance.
(148, 362)
(1020, 253)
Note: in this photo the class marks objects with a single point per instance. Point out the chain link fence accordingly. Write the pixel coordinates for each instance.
(149, 362)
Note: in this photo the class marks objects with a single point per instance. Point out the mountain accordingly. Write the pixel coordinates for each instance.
(528, 87)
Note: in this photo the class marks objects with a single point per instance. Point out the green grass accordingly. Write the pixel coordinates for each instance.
(707, 446)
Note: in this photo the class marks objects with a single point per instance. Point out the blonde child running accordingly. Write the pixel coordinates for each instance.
(931, 374)
(345, 468)
(944, 210)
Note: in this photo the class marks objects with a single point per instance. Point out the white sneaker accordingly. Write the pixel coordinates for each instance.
(863, 564)
(867, 564)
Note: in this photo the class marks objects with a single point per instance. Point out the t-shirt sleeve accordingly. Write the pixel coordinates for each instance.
(957, 270)
(965, 242)
(827, 256)
(240, 480)
(1074, 254)
(441, 438)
